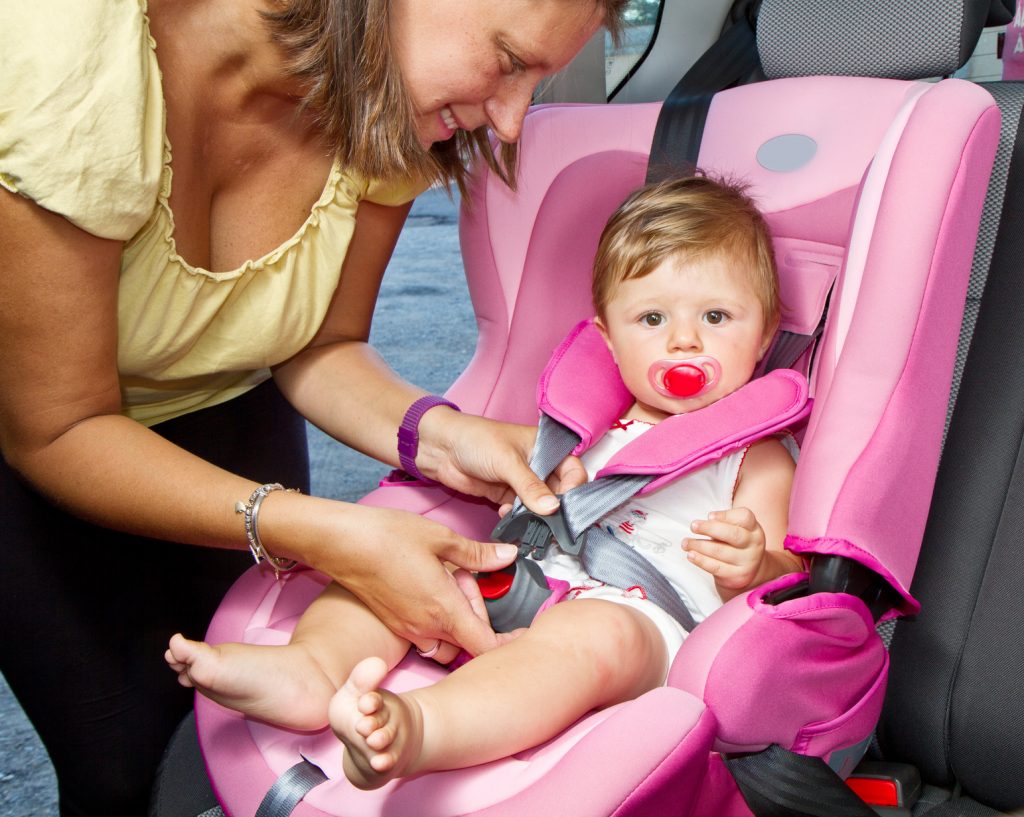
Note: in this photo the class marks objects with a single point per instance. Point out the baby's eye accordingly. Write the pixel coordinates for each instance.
(652, 319)
(715, 317)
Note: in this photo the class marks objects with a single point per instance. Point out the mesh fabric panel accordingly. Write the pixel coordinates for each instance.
(880, 38)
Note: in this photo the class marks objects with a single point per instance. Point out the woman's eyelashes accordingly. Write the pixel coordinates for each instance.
(510, 63)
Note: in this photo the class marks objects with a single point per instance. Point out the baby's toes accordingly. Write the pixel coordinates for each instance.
(381, 739)
(367, 725)
(383, 763)
(370, 703)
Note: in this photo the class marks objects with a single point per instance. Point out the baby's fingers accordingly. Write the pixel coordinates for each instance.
(722, 561)
(701, 559)
(702, 552)
(727, 533)
(741, 517)
(707, 556)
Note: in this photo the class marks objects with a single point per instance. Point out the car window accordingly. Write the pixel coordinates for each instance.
(641, 23)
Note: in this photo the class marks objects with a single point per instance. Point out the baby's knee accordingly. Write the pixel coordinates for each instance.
(612, 632)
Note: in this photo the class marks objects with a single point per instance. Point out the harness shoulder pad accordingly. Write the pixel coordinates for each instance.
(684, 442)
(580, 387)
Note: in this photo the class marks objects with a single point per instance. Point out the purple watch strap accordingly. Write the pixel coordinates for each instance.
(409, 433)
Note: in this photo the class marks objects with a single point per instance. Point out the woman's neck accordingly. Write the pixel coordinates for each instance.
(227, 46)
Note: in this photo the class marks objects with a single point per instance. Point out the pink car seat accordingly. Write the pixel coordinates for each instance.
(873, 190)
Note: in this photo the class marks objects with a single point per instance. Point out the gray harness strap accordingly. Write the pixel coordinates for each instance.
(289, 789)
(603, 556)
(763, 406)
(612, 561)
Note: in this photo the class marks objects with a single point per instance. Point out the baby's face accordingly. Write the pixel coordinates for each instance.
(685, 309)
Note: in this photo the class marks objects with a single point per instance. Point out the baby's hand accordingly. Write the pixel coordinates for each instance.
(734, 551)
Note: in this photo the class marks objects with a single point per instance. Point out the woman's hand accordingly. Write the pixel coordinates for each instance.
(394, 561)
(487, 458)
(466, 581)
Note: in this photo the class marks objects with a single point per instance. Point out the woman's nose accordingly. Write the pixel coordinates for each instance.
(506, 109)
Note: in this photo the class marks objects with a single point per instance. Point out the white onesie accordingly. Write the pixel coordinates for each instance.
(655, 525)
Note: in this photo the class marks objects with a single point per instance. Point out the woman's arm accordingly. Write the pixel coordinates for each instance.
(61, 429)
(60, 421)
(343, 386)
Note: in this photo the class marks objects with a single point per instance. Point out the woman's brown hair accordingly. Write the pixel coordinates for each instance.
(341, 50)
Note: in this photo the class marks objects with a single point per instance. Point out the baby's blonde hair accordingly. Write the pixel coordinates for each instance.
(689, 217)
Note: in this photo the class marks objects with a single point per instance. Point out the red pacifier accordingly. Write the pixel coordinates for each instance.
(684, 378)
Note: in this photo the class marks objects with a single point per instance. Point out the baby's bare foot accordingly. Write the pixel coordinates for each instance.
(280, 684)
(382, 732)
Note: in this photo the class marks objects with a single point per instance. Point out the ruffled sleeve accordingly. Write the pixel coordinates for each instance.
(393, 193)
(81, 111)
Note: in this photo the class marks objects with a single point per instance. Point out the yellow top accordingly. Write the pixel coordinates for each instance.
(82, 134)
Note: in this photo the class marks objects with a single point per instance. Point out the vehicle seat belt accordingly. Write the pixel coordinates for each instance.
(776, 782)
(731, 60)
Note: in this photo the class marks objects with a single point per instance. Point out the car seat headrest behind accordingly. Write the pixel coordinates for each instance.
(879, 38)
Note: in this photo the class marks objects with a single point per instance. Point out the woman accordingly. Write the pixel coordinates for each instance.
(198, 194)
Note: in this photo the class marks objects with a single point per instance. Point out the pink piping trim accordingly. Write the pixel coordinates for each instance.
(867, 212)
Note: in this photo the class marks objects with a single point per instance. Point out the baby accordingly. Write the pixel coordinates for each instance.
(684, 272)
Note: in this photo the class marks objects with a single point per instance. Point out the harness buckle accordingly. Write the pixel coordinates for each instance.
(533, 533)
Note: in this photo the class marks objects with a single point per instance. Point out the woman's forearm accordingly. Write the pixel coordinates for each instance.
(114, 472)
(348, 391)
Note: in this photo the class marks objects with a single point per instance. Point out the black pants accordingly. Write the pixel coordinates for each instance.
(87, 612)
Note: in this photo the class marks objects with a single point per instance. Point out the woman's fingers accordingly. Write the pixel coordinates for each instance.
(487, 458)
(395, 562)
(569, 474)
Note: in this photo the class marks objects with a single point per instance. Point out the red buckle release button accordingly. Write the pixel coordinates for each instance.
(874, 791)
(494, 585)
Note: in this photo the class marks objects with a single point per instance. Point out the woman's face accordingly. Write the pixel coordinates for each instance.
(468, 63)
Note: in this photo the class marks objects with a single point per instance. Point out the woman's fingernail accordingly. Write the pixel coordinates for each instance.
(548, 503)
(505, 551)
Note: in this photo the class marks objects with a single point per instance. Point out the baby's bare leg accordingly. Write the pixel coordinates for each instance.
(578, 656)
(290, 685)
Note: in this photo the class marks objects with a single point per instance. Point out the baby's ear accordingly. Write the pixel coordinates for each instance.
(599, 323)
(766, 343)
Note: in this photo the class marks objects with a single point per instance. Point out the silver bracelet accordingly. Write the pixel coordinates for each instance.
(251, 509)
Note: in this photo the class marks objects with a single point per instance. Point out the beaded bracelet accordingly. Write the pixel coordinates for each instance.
(251, 510)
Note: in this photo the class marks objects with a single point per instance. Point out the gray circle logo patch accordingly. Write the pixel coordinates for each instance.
(786, 153)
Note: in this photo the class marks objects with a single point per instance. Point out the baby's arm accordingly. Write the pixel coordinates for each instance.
(745, 545)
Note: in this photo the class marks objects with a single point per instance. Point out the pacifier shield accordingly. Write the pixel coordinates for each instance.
(684, 378)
